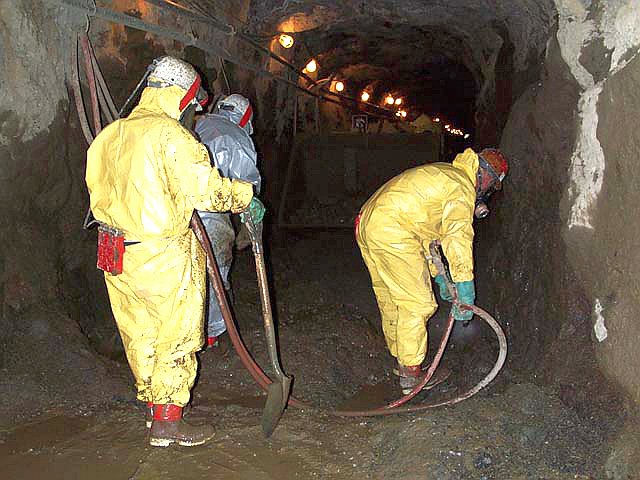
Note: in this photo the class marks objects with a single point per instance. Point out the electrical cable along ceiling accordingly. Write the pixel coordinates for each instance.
(425, 50)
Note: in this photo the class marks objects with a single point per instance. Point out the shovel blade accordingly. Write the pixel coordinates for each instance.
(277, 398)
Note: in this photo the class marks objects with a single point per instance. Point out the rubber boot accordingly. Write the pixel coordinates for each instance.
(169, 427)
(410, 376)
(148, 414)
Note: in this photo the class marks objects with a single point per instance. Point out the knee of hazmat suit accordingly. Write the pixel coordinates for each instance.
(226, 134)
(426, 203)
(222, 236)
(146, 174)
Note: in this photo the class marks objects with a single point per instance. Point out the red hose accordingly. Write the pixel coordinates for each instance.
(392, 408)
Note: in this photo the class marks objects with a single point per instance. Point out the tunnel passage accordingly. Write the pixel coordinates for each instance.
(550, 82)
(329, 177)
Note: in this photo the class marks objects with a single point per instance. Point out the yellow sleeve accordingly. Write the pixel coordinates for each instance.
(200, 183)
(457, 238)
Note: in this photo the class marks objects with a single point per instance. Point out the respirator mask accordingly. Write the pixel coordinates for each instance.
(481, 210)
(486, 184)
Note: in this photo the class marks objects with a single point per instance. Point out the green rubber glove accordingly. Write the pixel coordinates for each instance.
(445, 294)
(467, 296)
(256, 209)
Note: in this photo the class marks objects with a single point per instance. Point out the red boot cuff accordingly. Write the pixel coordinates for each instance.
(410, 370)
(167, 412)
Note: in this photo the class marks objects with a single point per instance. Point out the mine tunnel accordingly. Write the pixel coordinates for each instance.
(346, 96)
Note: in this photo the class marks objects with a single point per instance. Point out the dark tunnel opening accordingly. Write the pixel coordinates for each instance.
(551, 83)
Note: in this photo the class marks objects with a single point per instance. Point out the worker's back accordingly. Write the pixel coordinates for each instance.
(231, 148)
(418, 197)
(132, 178)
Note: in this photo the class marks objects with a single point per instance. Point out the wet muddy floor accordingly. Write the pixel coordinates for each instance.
(329, 331)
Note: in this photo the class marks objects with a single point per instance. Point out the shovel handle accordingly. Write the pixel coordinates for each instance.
(255, 235)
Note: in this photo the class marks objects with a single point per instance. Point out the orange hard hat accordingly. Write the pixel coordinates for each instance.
(497, 161)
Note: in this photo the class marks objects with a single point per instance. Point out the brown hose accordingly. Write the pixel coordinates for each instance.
(91, 79)
(395, 407)
(218, 288)
(104, 105)
(108, 106)
(77, 94)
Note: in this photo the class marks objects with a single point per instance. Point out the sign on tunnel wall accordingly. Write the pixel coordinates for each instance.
(335, 174)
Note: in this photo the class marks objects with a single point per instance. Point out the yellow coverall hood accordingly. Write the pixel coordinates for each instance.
(165, 100)
(468, 162)
(429, 202)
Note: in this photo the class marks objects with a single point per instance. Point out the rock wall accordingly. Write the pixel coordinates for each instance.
(566, 206)
(600, 228)
(560, 254)
(42, 198)
(610, 254)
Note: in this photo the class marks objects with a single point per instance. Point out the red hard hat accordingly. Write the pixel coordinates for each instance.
(496, 161)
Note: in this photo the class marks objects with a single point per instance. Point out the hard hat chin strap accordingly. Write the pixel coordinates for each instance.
(191, 94)
(124, 111)
(246, 117)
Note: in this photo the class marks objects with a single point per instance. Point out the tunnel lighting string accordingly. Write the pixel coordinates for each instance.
(226, 28)
(134, 22)
(206, 17)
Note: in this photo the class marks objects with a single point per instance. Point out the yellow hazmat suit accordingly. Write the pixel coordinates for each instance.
(430, 202)
(146, 174)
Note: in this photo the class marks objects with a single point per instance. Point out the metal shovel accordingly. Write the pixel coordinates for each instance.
(280, 389)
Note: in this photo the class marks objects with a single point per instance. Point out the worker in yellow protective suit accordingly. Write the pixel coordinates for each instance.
(394, 229)
(146, 174)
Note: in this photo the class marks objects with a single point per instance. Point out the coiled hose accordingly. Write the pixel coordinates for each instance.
(392, 408)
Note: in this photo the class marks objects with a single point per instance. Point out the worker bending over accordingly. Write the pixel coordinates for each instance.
(394, 230)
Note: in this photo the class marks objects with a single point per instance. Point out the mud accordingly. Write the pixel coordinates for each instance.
(517, 429)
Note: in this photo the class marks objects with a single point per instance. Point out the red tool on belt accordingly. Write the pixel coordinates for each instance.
(356, 225)
(110, 249)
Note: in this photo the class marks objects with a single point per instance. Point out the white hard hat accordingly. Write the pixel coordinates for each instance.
(167, 71)
(239, 110)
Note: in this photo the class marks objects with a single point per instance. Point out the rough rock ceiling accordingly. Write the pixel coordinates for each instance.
(419, 47)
